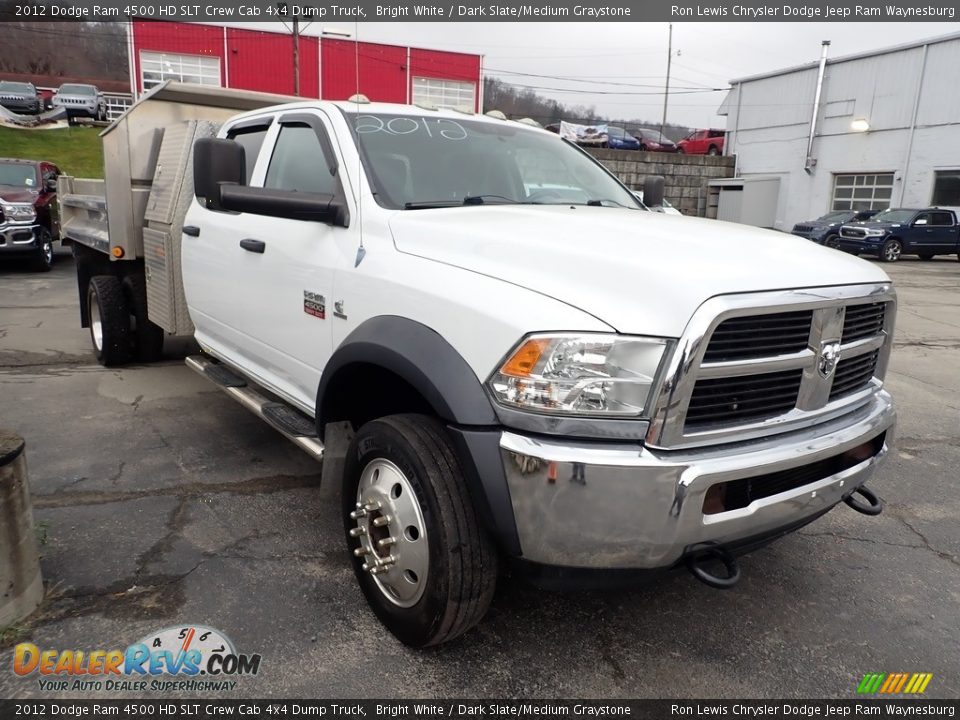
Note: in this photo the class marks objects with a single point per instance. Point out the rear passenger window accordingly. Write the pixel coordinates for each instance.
(251, 139)
(941, 219)
(298, 162)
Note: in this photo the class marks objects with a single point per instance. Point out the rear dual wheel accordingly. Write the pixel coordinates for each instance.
(119, 327)
(424, 563)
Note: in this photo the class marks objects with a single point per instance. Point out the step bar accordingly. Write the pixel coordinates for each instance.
(256, 403)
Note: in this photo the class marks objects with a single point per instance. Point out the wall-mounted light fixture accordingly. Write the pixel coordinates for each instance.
(860, 125)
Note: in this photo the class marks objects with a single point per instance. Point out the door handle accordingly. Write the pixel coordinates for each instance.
(191, 230)
(257, 246)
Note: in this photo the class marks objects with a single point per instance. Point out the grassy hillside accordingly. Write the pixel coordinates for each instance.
(75, 150)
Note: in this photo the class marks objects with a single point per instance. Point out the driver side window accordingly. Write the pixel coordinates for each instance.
(298, 162)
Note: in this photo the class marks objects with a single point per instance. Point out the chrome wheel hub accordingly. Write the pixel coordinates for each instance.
(96, 324)
(390, 528)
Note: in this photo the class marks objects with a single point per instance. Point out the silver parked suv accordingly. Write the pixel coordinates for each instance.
(81, 101)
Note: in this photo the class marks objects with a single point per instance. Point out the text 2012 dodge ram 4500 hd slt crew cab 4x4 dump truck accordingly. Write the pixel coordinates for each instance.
(534, 368)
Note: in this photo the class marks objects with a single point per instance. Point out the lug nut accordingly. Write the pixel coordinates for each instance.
(389, 560)
(381, 521)
(357, 514)
(360, 551)
(368, 567)
(371, 506)
(386, 542)
(358, 531)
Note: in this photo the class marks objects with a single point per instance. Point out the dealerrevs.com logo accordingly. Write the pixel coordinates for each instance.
(186, 658)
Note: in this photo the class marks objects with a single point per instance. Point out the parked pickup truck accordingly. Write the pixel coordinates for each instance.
(825, 230)
(899, 231)
(29, 223)
(557, 380)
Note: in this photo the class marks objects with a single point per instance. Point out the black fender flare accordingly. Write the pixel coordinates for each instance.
(423, 358)
(434, 368)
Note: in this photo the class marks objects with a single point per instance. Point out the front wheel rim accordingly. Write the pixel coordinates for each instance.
(393, 538)
(893, 251)
(48, 252)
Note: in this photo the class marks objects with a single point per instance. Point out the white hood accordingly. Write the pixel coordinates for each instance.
(639, 272)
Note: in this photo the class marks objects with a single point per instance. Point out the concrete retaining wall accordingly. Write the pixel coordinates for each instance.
(686, 176)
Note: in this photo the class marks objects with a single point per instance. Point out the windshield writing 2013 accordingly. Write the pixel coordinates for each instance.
(436, 128)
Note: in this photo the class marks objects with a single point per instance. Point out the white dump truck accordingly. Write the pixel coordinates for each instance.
(532, 369)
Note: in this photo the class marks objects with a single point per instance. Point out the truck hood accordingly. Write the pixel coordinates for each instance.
(639, 272)
(874, 225)
(12, 194)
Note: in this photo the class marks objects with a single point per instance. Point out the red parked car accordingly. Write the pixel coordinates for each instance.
(703, 142)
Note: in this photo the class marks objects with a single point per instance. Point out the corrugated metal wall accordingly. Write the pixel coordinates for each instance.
(382, 76)
(257, 60)
(264, 61)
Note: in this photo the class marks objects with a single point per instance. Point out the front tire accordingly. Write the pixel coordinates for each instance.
(43, 259)
(714, 151)
(891, 250)
(109, 316)
(926, 256)
(427, 568)
(832, 241)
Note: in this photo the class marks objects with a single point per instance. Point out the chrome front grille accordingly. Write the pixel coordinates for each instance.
(852, 232)
(743, 398)
(751, 366)
(759, 335)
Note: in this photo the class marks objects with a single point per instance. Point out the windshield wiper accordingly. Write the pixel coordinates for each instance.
(468, 200)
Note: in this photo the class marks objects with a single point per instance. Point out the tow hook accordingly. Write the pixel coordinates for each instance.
(873, 506)
(695, 564)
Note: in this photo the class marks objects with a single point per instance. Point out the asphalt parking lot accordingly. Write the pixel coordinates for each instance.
(159, 501)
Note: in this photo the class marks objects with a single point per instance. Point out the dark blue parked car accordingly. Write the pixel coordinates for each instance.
(618, 139)
(825, 230)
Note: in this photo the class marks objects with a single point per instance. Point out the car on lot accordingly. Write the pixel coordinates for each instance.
(620, 139)
(825, 230)
(81, 100)
(28, 211)
(653, 140)
(890, 234)
(703, 142)
(20, 97)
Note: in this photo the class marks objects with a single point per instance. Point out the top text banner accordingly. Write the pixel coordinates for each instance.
(480, 10)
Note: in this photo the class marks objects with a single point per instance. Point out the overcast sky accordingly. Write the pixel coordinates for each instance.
(634, 56)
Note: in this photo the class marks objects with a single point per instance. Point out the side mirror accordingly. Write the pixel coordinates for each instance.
(317, 207)
(653, 191)
(921, 221)
(215, 163)
(51, 184)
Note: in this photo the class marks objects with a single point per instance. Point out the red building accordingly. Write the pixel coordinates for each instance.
(330, 68)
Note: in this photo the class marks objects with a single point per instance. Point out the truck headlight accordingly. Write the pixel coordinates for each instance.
(872, 232)
(19, 211)
(580, 374)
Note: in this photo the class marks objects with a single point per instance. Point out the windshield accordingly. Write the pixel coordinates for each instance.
(416, 162)
(835, 217)
(77, 90)
(15, 87)
(615, 132)
(18, 175)
(893, 216)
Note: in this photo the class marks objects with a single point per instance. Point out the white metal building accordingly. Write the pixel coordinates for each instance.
(887, 134)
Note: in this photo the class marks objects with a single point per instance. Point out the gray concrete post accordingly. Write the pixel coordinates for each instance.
(21, 587)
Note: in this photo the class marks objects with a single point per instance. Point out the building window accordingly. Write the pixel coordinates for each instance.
(862, 192)
(444, 93)
(156, 67)
(946, 188)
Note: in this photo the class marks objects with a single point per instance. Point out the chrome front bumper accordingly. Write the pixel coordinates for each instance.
(16, 238)
(617, 506)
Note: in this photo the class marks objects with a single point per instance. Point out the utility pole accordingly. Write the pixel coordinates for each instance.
(296, 58)
(666, 92)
